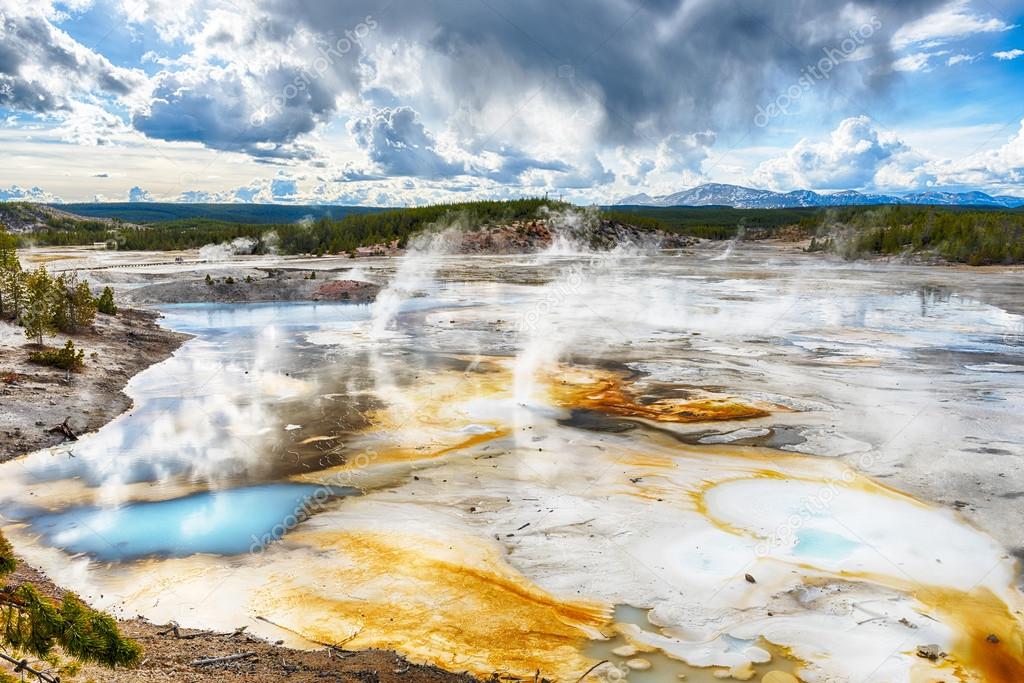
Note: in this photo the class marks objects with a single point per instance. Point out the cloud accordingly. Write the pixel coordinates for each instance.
(454, 98)
(953, 20)
(684, 152)
(398, 144)
(961, 59)
(232, 109)
(137, 194)
(1008, 54)
(999, 168)
(14, 193)
(257, 79)
(172, 19)
(282, 188)
(43, 70)
(856, 156)
(918, 61)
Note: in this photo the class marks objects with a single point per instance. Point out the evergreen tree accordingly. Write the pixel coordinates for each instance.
(105, 304)
(12, 286)
(38, 316)
(32, 626)
(74, 307)
(84, 306)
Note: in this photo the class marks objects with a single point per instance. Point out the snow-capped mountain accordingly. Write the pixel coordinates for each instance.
(720, 194)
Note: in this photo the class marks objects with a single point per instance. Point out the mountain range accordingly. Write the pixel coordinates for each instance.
(736, 196)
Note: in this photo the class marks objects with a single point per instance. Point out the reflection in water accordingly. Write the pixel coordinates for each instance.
(630, 431)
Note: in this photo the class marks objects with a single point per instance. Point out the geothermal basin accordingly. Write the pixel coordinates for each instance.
(574, 466)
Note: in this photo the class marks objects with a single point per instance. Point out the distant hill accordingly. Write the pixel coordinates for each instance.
(156, 212)
(738, 197)
(28, 217)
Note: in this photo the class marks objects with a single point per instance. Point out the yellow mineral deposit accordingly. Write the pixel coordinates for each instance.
(989, 643)
(608, 392)
(457, 605)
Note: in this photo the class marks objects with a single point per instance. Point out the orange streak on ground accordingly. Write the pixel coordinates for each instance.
(457, 605)
(608, 393)
(989, 645)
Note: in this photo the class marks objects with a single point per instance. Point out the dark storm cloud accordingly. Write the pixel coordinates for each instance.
(275, 70)
(655, 67)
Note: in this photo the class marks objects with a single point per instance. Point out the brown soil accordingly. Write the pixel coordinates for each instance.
(35, 398)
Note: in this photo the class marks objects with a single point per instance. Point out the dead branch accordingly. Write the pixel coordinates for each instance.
(22, 666)
(222, 660)
(64, 429)
(587, 672)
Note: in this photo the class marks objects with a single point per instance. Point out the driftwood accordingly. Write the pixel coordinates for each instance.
(64, 429)
(222, 660)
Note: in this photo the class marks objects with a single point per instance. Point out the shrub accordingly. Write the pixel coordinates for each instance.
(67, 358)
(230, 280)
(105, 304)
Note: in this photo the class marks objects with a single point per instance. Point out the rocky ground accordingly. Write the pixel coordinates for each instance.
(35, 398)
(521, 237)
(268, 285)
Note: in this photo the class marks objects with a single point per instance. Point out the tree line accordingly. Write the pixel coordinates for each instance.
(972, 235)
(322, 236)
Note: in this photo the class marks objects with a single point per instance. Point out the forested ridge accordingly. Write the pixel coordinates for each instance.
(972, 235)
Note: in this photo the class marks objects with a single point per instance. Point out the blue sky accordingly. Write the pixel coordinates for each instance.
(394, 103)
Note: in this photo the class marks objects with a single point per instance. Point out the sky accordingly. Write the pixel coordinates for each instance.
(405, 102)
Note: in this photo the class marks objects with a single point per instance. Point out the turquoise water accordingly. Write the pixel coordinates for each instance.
(228, 522)
(823, 545)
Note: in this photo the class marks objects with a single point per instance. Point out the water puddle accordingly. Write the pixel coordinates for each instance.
(628, 658)
(228, 522)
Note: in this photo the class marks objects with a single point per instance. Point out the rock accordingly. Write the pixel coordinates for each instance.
(931, 652)
(993, 638)
(779, 677)
(625, 651)
(749, 578)
(638, 664)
